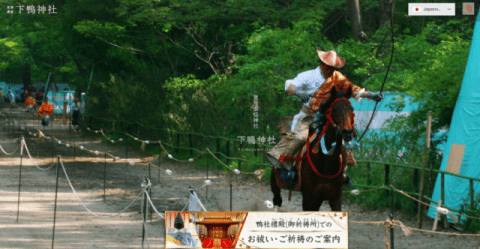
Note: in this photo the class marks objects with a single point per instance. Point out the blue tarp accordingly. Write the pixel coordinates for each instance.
(57, 100)
(386, 109)
(464, 130)
(16, 89)
(388, 104)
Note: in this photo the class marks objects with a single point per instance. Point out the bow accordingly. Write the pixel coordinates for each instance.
(388, 69)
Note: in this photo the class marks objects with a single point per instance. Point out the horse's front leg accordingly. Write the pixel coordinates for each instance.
(277, 198)
(311, 202)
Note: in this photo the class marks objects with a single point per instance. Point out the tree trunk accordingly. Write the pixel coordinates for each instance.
(26, 77)
(355, 17)
(385, 12)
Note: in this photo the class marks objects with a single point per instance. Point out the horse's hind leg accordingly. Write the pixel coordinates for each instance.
(336, 205)
(277, 198)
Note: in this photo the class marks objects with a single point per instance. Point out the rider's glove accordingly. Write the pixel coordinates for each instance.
(304, 98)
(318, 121)
(375, 96)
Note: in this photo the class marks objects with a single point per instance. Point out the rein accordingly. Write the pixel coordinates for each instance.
(329, 122)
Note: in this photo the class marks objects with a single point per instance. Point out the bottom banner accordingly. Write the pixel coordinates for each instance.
(256, 230)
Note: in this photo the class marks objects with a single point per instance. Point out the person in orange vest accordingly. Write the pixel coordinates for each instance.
(29, 101)
(45, 110)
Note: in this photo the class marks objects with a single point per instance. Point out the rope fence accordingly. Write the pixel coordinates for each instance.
(85, 206)
(144, 142)
(168, 130)
(388, 223)
(355, 192)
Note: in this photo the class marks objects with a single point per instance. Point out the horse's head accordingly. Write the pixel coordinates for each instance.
(341, 113)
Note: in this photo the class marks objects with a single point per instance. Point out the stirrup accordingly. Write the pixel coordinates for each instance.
(289, 177)
(346, 180)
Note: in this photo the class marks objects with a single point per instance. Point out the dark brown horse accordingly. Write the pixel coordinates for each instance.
(321, 174)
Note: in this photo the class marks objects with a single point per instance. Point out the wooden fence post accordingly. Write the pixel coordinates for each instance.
(178, 143)
(228, 152)
(191, 144)
(472, 198)
(170, 140)
(442, 197)
(425, 149)
(369, 180)
(240, 156)
(218, 146)
(387, 177)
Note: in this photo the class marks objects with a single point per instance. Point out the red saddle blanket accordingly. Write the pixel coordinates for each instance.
(298, 166)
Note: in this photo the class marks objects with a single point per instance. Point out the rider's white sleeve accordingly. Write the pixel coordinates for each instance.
(295, 119)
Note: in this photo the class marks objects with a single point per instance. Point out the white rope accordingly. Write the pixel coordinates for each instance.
(6, 153)
(199, 202)
(185, 206)
(153, 206)
(33, 160)
(85, 206)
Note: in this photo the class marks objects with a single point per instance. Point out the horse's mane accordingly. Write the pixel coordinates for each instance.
(335, 95)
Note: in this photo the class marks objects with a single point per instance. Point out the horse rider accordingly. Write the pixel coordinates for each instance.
(45, 110)
(313, 88)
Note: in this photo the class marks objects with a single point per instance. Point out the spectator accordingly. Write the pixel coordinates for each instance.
(11, 97)
(75, 108)
(45, 110)
(30, 102)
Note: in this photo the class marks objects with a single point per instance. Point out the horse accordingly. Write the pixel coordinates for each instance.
(321, 176)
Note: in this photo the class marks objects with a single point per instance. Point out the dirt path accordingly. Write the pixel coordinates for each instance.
(76, 228)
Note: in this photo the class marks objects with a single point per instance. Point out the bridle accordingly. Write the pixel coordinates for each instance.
(314, 136)
(328, 114)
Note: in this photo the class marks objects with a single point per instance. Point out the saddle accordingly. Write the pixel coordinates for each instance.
(298, 167)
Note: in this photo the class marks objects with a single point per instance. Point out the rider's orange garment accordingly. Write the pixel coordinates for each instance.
(45, 109)
(29, 101)
(340, 82)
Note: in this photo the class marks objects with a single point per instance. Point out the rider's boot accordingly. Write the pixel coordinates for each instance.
(289, 176)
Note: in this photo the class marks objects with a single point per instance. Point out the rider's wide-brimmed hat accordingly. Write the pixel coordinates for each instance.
(331, 58)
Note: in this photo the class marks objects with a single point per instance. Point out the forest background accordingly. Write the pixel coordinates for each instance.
(195, 66)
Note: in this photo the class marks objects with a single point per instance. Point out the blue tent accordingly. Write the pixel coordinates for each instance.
(464, 130)
(386, 109)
